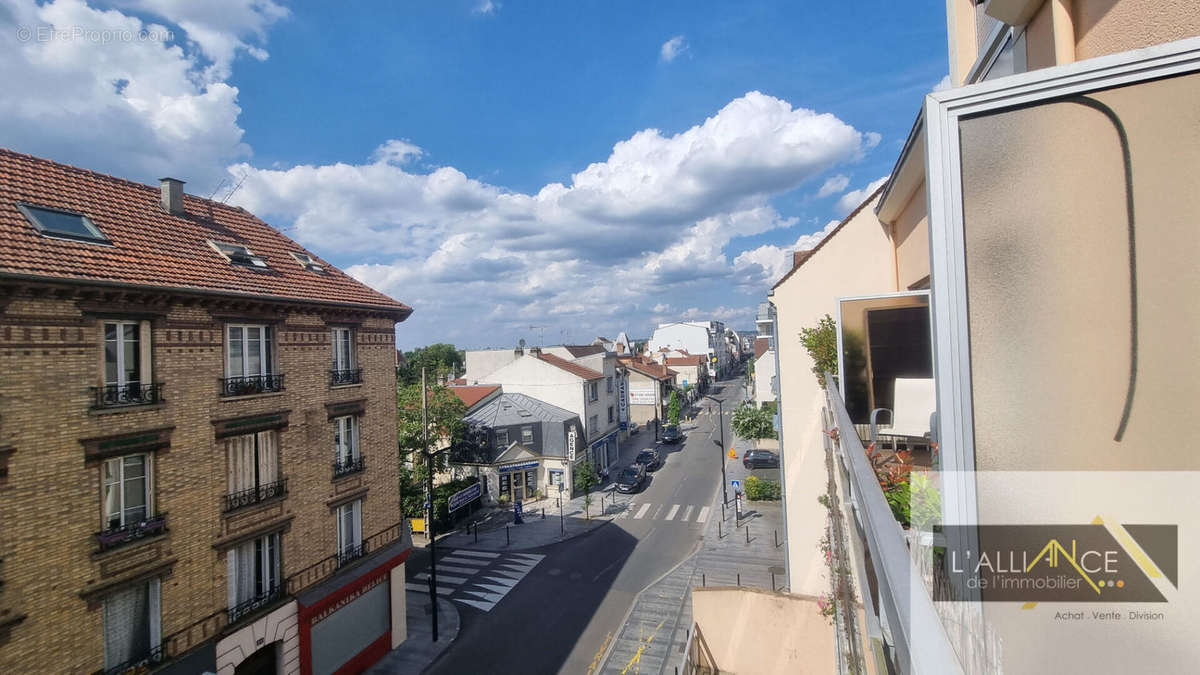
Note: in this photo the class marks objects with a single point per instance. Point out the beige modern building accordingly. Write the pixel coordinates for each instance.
(198, 467)
(1026, 218)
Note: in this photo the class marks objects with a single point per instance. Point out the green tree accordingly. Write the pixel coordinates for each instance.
(751, 422)
(673, 408)
(821, 344)
(439, 360)
(446, 427)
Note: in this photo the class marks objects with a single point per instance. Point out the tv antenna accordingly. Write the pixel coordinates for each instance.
(241, 180)
(541, 333)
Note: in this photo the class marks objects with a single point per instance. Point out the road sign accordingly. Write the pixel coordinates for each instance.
(736, 485)
(517, 512)
(465, 496)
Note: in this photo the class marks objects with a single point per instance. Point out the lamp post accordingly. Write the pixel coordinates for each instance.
(429, 519)
(721, 425)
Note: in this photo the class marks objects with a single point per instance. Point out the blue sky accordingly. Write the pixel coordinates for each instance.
(504, 164)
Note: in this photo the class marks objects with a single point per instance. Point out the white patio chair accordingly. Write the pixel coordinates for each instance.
(913, 401)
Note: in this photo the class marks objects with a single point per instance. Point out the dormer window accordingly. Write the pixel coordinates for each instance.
(238, 254)
(308, 262)
(62, 224)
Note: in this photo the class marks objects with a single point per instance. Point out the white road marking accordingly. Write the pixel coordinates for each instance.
(490, 597)
(687, 514)
(494, 588)
(424, 588)
(672, 512)
(457, 570)
(477, 554)
(515, 576)
(441, 577)
(503, 581)
(703, 515)
(534, 557)
(656, 512)
(642, 511)
(477, 604)
(455, 560)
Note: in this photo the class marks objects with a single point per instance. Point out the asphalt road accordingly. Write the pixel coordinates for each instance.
(561, 615)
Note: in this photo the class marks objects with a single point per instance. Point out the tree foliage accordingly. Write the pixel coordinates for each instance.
(751, 422)
(439, 360)
(674, 408)
(585, 477)
(446, 424)
(821, 344)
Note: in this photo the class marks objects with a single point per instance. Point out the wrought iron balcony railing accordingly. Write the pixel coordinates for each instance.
(251, 384)
(350, 554)
(141, 664)
(122, 395)
(248, 607)
(254, 495)
(349, 376)
(343, 467)
(119, 536)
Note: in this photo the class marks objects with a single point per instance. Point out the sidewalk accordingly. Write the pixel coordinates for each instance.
(654, 634)
(417, 652)
(498, 533)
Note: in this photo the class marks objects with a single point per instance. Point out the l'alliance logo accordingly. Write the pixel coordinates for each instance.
(1064, 563)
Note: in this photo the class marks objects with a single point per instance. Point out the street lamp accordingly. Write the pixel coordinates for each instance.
(721, 424)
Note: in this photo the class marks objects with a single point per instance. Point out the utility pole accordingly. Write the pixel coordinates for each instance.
(429, 510)
(721, 424)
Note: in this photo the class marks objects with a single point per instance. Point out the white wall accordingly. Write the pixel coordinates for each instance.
(764, 370)
(481, 363)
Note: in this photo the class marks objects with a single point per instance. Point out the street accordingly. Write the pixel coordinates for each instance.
(556, 608)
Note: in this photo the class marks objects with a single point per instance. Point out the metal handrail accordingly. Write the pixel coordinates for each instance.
(919, 638)
(142, 663)
(254, 495)
(251, 384)
(249, 606)
(348, 466)
(119, 536)
(345, 376)
(121, 395)
(324, 568)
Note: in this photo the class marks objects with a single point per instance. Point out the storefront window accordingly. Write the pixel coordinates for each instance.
(504, 486)
(531, 481)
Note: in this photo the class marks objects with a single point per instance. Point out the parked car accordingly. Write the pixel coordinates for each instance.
(672, 434)
(760, 459)
(631, 478)
(649, 458)
(634, 428)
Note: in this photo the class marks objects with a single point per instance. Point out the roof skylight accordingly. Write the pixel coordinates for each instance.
(238, 254)
(62, 224)
(308, 262)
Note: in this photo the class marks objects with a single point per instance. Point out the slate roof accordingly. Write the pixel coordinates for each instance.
(579, 351)
(518, 409)
(150, 247)
(573, 368)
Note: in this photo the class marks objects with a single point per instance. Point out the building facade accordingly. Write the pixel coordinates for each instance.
(706, 338)
(199, 464)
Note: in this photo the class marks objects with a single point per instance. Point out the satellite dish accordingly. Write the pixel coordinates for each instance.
(521, 343)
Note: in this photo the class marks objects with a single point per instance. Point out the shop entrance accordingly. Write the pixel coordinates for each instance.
(262, 662)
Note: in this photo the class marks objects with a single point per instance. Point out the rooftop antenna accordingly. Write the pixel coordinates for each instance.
(541, 334)
(241, 180)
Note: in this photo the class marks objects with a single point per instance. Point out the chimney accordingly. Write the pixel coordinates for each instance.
(620, 347)
(172, 195)
(519, 351)
(535, 351)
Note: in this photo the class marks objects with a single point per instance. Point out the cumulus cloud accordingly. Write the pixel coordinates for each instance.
(850, 201)
(768, 263)
(833, 185)
(671, 49)
(486, 7)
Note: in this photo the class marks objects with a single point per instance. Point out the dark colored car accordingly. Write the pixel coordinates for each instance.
(631, 478)
(671, 434)
(649, 458)
(760, 459)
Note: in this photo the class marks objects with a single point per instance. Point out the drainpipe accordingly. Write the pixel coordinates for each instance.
(1064, 32)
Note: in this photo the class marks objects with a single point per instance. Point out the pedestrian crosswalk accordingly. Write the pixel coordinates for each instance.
(680, 513)
(478, 579)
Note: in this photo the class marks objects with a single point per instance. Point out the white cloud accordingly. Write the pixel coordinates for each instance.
(671, 49)
(943, 84)
(833, 185)
(141, 108)
(768, 263)
(850, 201)
(397, 151)
(486, 7)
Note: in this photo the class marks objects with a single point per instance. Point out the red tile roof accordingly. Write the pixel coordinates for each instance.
(648, 368)
(685, 361)
(573, 368)
(760, 346)
(474, 394)
(153, 248)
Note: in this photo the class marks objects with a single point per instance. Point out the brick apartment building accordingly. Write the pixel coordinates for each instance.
(197, 438)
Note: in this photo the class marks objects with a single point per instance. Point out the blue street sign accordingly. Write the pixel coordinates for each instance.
(465, 496)
(517, 511)
(735, 484)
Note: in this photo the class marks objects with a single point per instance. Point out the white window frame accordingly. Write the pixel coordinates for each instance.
(148, 486)
(593, 391)
(120, 342)
(266, 342)
(526, 430)
(609, 380)
(948, 303)
(343, 336)
(265, 554)
(153, 589)
(502, 444)
(265, 461)
(346, 438)
(349, 526)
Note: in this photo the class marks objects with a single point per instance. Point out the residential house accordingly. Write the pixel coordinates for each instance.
(650, 386)
(765, 382)
(1012, 204)
(585, 391)
(520, 448)
(479, 364)
(198, 468)
(620, 345)
(691, 373)
(697, 337)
